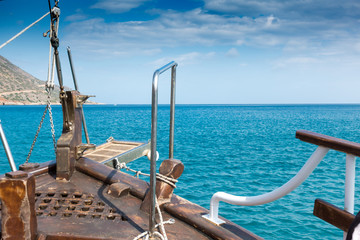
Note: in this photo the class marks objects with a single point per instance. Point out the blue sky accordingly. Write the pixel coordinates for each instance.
(229, 51)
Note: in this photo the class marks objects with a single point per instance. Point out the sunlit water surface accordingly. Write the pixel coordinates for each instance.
(242, 150)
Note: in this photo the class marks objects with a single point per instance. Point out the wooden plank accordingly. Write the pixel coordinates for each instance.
(329, 142)
(192, 215)
(333, 215)
(137, 186)
(111, 150)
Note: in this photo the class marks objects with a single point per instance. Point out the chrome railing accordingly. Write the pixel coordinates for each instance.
(154, 110)
(7, 149)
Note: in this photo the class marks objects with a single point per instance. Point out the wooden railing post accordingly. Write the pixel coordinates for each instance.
(18, 216)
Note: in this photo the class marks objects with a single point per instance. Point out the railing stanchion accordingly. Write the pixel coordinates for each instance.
(153, 155)
(350, 183)
(172, 112)
(7, 149)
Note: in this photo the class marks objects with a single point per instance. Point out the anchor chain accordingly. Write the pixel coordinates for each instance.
(47, 108)
(51, 120)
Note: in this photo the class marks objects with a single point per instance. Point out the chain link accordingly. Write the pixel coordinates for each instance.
(36, 135)
(51, 121)
(47, 108)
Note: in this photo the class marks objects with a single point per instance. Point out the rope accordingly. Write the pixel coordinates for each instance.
(162, 228)
(145, 235)
(21, 32)
(169, 180)
(51, 68)
(49, 85)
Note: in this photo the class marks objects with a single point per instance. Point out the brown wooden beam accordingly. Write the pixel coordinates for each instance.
(18, 218)
(192, 215)
(333, 215)
(104, 173)
(329, 142)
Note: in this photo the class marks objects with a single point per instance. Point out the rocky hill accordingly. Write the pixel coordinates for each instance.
(18, 87)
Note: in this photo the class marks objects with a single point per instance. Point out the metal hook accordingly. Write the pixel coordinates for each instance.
(45, 34)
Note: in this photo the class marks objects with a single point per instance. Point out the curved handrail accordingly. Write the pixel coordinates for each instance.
(288, 187)
(325, 143)
(154, 108)
(330, 142)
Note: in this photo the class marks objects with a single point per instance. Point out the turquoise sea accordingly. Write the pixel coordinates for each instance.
(240, 149)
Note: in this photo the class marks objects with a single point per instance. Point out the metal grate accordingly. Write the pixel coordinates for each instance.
(66, 204)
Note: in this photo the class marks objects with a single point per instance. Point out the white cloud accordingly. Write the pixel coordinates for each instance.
(171, 29)
(233, 52)
(308, 9)
(118, 6)
(78, 16)
(270, 21)
(303, 61)
(185, 59)
(199, 28)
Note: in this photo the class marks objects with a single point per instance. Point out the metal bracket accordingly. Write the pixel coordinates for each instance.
(81, 99)
(217, 221)
(82, 148)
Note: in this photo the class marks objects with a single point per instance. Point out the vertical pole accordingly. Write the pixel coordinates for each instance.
(154, 103)
(172, 112)
(349, 184)
(76, 88)
(7, 149)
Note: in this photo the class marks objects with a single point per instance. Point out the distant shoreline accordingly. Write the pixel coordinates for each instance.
(196, 104)
(39, 104)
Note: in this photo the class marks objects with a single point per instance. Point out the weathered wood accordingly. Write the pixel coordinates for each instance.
(118, 189)
(70, 138)
(172, 168)
(329, 142)
(18, 217)
(45, 167)
(192, 215)
(106, 174)
(178, 207)
(123, 151)
(333, 215)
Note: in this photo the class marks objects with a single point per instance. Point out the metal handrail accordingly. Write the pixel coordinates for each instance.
(154, 108)
(324, 146)
(7, 149)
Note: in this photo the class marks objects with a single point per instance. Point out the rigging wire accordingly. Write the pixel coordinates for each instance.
(49, 85)
(22, 31)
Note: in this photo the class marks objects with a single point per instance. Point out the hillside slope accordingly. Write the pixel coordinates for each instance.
(18, 87)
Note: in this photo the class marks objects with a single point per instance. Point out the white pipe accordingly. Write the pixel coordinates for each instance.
(7, 149)
(293, 183)
(350, 183)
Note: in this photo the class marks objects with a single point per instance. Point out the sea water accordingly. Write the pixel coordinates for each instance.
(244, 150)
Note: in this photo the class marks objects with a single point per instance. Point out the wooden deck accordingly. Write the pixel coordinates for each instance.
(122, 150)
